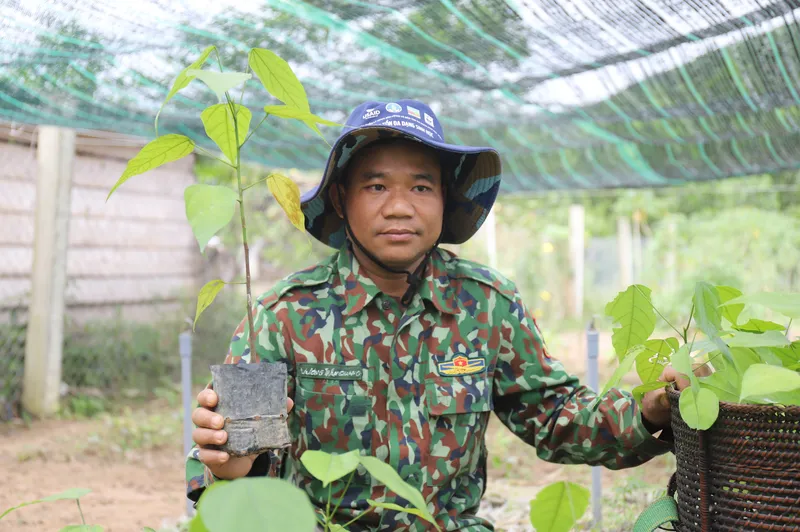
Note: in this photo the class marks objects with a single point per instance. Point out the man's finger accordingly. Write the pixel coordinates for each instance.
(211, 457)
(207, 398)
(207, 419)
(289, 404)
(209, 436)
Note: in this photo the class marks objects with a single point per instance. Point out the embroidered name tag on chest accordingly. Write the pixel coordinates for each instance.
(462, 365)
(331, 371)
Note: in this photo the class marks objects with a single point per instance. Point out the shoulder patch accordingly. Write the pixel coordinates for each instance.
(315, 275)
(467, 269)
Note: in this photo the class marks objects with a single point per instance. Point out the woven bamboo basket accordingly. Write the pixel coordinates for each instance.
(742, 474)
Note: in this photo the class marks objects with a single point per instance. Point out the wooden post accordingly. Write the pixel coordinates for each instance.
(625, 249)
(45, 335)
(577, 246)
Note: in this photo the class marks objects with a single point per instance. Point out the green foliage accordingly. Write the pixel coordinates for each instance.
(209, 208)
(330, 467)
(218, 121)
(558, 507)
(220, 82)
(277, 77)
(255, 505)
(635, 315)
(183, 79)
(754, 363)
(207, 295)
(157, 152)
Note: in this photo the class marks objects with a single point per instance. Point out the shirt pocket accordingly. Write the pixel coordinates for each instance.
(333, 422)
(458, 411)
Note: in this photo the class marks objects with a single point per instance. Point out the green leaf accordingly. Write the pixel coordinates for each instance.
(336, 528)
(161, 151)
(634, 313)
(256, 504)
(655, 357)
(786, 356)
(183, 79)
(558, 507)
(148, 529)
(624, 367)
(729, 312)
(309, 119)
(72, 494)
(707, 314)
(762, 381)
(83, 528)
(220, 82)
(329, 467)
(218, 123)
(388, 476)
(682, 363)
(724, 384)
(781, 302)
(700, 409)
(287, 193)
(766, 339)
(395, 507)
(206, 297)
(642, 389)
(278, 78)
(196, 524)
(209, 208)
(756, 326)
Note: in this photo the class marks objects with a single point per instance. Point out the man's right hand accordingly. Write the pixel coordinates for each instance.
(209, 432)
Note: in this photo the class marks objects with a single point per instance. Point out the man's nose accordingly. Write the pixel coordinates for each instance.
(398, 205)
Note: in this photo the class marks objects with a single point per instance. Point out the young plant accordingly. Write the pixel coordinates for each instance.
(750, 360)
(559, 506)
(209, 208)
(259, 504)
(72, 494)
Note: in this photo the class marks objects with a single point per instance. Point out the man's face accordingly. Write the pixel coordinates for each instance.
(395, 201)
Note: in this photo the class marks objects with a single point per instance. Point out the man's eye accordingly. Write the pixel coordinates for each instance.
(422, 188)
(376, 188)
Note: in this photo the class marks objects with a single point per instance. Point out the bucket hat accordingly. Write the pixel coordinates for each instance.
(472, 184)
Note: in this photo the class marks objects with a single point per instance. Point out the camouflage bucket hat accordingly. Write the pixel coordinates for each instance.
(471, 190)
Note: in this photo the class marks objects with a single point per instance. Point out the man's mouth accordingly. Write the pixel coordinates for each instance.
(398, 235)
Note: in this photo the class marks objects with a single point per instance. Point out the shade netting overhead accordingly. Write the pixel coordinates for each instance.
(573, 93)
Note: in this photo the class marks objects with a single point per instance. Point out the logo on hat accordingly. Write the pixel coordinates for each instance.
(371, 113)
(413, 111)
(393, 107)
(428, 119)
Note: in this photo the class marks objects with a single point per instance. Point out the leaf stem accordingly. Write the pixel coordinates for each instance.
(252, 330)
(255, 128)
(208, 153)
(359, 516)
(328, 505)
(657, 311)
(257, 182)
(350, 478)
(78, 502)
(786, 334)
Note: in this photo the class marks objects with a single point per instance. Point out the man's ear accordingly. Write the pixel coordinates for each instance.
(336, 195)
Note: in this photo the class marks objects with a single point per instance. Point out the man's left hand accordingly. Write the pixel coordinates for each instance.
(655, 404)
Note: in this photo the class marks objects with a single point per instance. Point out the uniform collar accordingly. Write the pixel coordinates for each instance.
(360, 290)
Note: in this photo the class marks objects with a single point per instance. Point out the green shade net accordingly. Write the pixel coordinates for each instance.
(573, 93)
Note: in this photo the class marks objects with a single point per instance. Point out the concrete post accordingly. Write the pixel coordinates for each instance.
(45, 335)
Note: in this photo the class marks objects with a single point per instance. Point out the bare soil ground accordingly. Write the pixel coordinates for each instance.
(133, 464)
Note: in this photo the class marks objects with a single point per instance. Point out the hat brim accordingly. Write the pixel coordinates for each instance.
(471, 194)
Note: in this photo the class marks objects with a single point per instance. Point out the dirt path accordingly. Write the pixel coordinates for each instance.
(127, 493)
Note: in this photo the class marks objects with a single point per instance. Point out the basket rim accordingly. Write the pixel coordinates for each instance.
(674, 395)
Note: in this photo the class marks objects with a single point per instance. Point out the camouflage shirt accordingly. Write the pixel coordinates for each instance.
(416, 388)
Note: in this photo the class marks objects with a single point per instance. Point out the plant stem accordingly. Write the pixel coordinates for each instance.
(786, 334)
(359, 516)
(350, 478)
(208, 153)
(251, 334)
(688, 323)
(657, 312)
(328, 506)
(78, 502)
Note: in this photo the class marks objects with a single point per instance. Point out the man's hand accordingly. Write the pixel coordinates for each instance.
(655, 404)
(209, 432)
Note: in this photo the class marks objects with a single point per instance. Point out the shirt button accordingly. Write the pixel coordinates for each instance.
(386, 304)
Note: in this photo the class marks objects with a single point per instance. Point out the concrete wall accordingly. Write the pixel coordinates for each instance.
(136, 252)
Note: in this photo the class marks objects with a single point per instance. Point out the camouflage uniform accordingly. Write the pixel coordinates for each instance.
(415, 388)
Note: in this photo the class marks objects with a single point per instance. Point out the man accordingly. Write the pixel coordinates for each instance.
(426, 344)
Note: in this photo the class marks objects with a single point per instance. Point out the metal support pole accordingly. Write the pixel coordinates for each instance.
(185, 347)
(592, 351)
